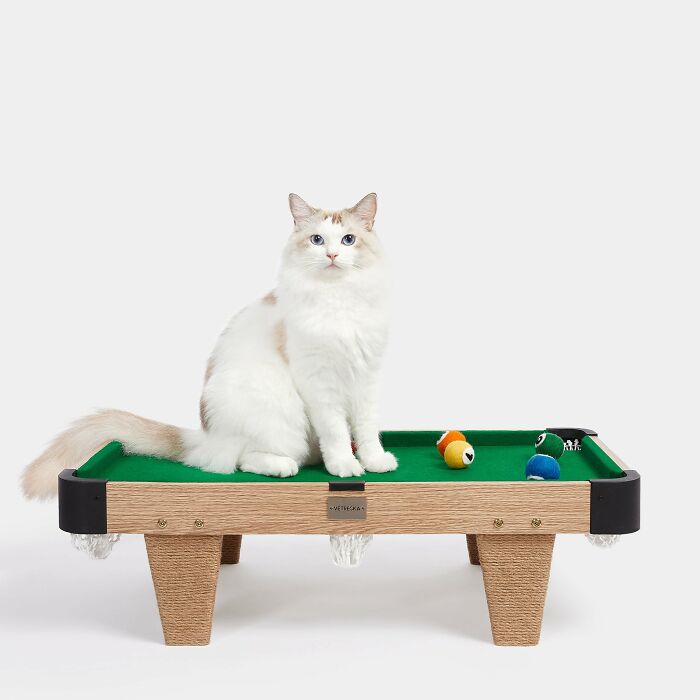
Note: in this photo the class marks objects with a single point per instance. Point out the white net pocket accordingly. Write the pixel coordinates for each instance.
(347, 550)
(603, 541)
(95, 546)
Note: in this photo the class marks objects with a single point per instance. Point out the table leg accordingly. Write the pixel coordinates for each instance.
(185, 570)
(473, 549)
(231, 549)
(516, 574)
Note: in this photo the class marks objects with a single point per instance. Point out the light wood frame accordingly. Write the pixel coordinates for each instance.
(392, 508)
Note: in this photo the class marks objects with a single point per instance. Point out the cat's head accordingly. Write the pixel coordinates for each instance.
(333, 244)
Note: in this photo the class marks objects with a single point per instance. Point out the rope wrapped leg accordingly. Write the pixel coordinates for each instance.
(185, 570)
(231, 549)
(473, 550)
(516, 574)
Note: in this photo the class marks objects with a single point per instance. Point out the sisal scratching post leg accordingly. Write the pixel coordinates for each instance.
(473, 550)
(516, 574)
(231, 549)
(185, 570)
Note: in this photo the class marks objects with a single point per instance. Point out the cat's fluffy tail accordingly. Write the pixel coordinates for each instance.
(87, 435)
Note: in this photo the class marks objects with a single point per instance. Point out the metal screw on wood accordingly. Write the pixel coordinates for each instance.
(536, 522)
(199, 523)
(162, 523)
(498, 522)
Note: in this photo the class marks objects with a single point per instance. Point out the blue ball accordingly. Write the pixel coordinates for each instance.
(542, 467)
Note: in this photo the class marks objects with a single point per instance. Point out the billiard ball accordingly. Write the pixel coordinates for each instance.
(549, 444)
(542, 467)
(459, 454)
(448, 437)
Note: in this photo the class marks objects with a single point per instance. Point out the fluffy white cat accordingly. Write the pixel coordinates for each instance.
(292, 379)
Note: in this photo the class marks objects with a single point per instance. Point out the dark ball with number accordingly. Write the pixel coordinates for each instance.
(549, 444)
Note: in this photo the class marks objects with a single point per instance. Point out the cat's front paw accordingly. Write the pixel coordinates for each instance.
(289, 468)
(379, 462)
(345, 466)
(268, 464)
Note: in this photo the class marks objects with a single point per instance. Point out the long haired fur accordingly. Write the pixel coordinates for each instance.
(89, 434)
(292, 379)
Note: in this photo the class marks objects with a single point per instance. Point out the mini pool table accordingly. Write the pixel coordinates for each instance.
(193, 520)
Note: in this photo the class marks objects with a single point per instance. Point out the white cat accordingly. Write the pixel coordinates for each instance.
(292, 379)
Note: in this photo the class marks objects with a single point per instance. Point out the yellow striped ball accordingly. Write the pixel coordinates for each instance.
(459, 454)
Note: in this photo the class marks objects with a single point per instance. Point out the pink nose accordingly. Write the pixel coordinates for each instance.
(332, 256)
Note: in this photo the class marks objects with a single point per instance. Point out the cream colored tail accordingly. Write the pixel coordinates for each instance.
(87, 435)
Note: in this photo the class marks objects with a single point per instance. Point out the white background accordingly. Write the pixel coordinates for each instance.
(537, 171)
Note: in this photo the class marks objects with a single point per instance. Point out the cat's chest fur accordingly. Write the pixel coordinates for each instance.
(340, 325)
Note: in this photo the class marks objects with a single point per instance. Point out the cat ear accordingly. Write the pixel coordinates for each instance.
(366, 210)
(301, 211)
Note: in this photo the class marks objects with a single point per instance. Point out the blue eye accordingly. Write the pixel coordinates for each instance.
(348, 239)
(316, 239)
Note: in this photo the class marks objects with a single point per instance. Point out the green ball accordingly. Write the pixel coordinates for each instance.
(549, 444)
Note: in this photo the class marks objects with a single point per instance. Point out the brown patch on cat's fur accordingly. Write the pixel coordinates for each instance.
(174, 438)
(202, 403)
(336, 217)
(281, 341)
(270, 299)
(203, 413)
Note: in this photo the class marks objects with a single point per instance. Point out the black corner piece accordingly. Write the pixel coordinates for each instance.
(82, 504)
(571, 433)
(615, 505)
(346, 485)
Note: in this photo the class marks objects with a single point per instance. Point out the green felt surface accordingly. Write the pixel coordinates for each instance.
(501, 455)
